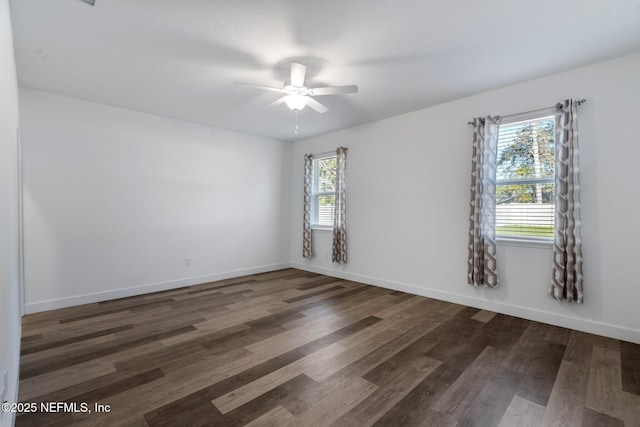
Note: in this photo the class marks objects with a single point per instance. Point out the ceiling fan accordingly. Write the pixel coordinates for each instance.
(297, 95)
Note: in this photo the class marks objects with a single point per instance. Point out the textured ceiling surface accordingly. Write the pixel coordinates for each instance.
(180, 59)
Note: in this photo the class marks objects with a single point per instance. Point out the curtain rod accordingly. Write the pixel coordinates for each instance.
(579, 102)
(327, 152)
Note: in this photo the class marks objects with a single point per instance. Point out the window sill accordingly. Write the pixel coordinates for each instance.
(321, 228)
(530, 243)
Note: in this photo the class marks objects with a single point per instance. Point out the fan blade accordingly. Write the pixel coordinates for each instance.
(332, 90)
(312, 103)
(272, 89)
(276, 102)
(298, 72)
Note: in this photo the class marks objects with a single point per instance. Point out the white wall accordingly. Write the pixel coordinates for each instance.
(408, 203)
(116, 200)
(9, 247)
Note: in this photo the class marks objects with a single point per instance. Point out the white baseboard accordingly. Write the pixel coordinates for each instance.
(53, 304)
(608, 330)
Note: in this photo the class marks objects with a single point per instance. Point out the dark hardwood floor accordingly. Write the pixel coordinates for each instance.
(296, 348)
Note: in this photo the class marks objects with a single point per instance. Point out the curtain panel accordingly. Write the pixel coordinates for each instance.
(306, 223)
(567, 280)
(339, 247)
(482, 269)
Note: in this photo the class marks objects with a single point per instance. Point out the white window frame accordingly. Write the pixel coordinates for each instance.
(535, 241)
(316, 194)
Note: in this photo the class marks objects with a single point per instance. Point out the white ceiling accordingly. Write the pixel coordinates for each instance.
(180, 58)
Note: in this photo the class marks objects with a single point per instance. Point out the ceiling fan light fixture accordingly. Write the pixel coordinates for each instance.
(295, 102)
(297, 96)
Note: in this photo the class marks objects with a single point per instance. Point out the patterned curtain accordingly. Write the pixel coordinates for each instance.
(566, 282)
(339, 250)
(482, 268)
(306, 226)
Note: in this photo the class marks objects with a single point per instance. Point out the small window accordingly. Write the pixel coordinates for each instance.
(525, 177)
(323, 195)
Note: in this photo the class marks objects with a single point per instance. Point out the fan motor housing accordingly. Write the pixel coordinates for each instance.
(297, 90)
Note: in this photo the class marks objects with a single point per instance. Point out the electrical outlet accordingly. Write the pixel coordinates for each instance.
(187, 262)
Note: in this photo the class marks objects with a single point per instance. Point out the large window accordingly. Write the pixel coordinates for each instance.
(323, 194)
(525, 177)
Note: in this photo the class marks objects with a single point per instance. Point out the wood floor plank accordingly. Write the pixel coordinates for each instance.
(476, 382)
(176, 384)
(62, 351)
(289, 339)
(539, 360)
(54, 380)
(335, 397)
(57, 331)
(71, 340)
(322, 363)
(558, 335)
(360, 311)
(276, 417)
(569, 395)
(631, 409)
(247, 392)
(364, 350)
(398, 307)
(236, 316)
(208, 394)
(43, 419)
(630, 361)
(394, 383)
(522, 413)
(605, 394)
(598, 419)
(285, 395)
(605, 384)
(489, 407)
(100, 387)
(483, 316)
(364, 356)
(341, 333)
(238, 397)
(317, 282)
(502, 332)
(414, 409)
(292, 348)
(95, 352)
(313, 294)
(160, 357)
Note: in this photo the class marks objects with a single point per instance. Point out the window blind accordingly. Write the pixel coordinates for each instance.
(324, 188)
(525, 178)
